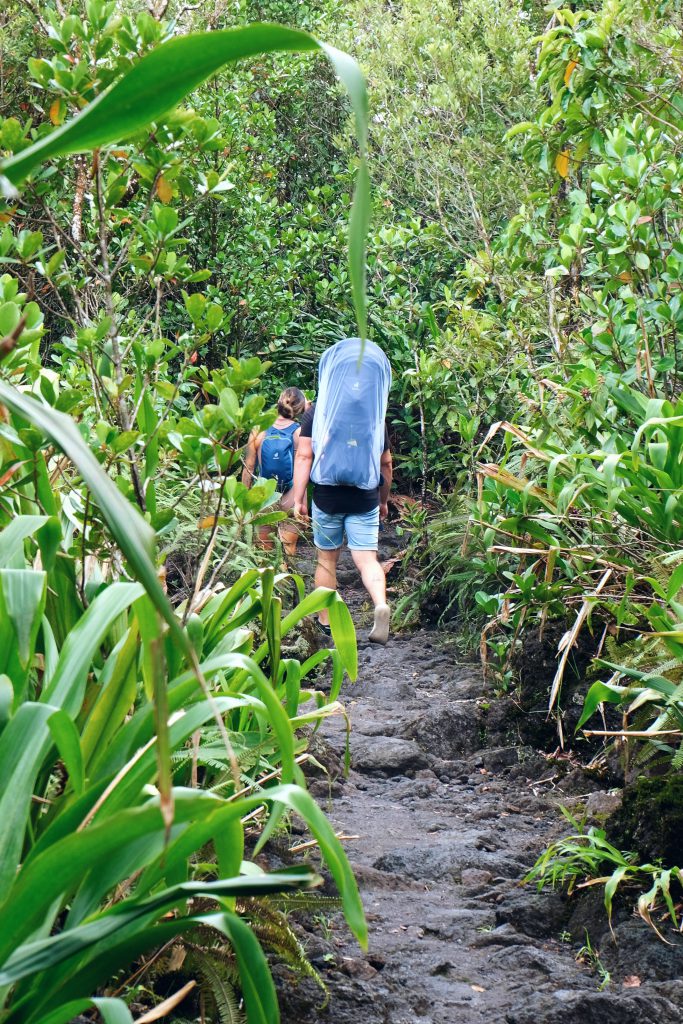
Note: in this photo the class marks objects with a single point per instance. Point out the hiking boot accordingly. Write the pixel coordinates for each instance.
(379, 633)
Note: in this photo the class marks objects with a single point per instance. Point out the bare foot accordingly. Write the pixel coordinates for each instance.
(380, 630)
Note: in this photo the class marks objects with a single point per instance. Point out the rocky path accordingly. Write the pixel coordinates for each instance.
(450, 809)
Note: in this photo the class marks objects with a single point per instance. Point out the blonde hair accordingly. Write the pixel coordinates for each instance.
(291, 403)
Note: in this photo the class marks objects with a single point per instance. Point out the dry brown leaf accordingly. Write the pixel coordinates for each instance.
(164, 190)
(391, 562)
(631, 981)
(10, 473)
(562, 163)
(569, 71)
(58, 111)
(477, 988)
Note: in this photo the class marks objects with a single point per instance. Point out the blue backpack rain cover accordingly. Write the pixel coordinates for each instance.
(276, 457)
(348, 426)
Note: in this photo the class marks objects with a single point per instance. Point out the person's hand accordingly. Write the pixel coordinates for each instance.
(300, 509)
(383, 510)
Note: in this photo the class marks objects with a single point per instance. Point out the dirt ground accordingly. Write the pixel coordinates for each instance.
(449, 809)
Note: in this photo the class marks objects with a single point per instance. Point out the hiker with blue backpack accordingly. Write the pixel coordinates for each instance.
(270, 456)
(344, 450)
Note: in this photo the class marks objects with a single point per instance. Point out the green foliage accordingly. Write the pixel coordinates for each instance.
(81, 731)
(105, 685)
(584, 858)
(575, 508)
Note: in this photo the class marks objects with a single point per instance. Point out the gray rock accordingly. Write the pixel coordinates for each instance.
(602, 804)
(446, 856)
(635, 949)
(447, 731)
(504, 935)
(594, 1008)
(387, 754)
(496, 759)
(539, 914)
(475, 878)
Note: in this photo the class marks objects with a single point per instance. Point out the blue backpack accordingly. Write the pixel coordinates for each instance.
(348, 426)
(277, 456)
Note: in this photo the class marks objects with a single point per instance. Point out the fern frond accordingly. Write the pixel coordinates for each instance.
(217, 981)
(271, 928)
(677, 762)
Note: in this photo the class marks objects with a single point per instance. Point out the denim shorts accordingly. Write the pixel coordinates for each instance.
(361, 528)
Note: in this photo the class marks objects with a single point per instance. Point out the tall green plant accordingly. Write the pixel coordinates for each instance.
(96, 699)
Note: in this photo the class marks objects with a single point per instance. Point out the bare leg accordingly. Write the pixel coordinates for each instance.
(372, 575)
(289, 531)
(326, 576)
(265, 538)
(374, 581)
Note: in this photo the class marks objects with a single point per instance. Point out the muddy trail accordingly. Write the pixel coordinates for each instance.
(449, 808)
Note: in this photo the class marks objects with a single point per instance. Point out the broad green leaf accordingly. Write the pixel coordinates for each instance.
(612, 885)
(68, 743)
(196, 716)
(21, 756)
(112, 1011)
(13, 536)
(23, 598)
(133, 535)
(106, 959)
(61, 866)
(115, 699)
(34, 957)
(599, 693)
(344, 636)
(221, 827)
(256, 981)
(675, 583)
(6, 698)
(75, 658)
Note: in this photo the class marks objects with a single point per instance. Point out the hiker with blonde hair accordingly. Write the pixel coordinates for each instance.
(270, 456)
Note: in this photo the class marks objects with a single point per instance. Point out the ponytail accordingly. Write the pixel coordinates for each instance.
(291, 403)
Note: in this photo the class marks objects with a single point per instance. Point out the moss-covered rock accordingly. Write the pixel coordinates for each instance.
(651, 819)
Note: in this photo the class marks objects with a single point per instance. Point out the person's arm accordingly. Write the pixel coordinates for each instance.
(250, 459)
(386, 468)
(303, 463)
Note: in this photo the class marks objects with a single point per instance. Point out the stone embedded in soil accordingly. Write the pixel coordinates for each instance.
(475, 878)
(632, 951)
(570, 1007)
(539, 915)
(387, 754)
(447, 856)
(448, 731)
(504, 935)
(602, 803)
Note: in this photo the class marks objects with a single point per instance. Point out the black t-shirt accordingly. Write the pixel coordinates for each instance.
(338, 499)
